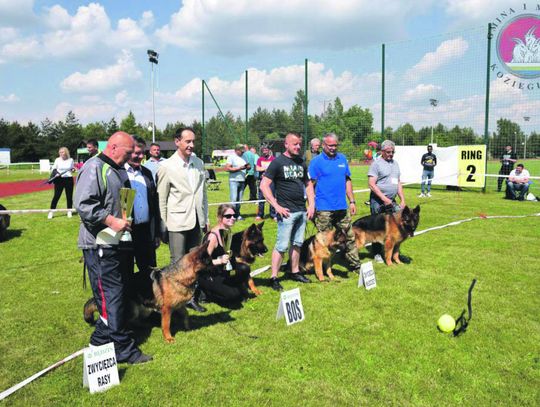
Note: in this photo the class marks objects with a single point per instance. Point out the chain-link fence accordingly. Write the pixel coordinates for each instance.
(415, 92)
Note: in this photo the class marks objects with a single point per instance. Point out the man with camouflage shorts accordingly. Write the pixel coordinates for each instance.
(330, 176)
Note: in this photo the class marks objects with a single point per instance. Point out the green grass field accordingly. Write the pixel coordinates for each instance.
(355, 347)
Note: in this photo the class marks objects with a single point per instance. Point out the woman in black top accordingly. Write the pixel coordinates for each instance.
(216, 282)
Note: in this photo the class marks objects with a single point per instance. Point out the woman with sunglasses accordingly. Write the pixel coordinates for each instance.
(216, 282)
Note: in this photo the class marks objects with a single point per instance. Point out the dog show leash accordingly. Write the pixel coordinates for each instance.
(462, 323)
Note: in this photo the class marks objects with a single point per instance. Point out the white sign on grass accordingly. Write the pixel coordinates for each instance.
(290, 306)
(100, 371)
(367, 276)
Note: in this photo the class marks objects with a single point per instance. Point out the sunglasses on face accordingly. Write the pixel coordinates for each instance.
(230, 216)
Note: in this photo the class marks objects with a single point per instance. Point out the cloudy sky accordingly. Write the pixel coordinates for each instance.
(57, 56)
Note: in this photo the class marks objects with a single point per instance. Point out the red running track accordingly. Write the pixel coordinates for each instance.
(23, 187)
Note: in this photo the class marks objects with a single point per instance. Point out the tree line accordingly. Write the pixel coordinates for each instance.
(354, 126)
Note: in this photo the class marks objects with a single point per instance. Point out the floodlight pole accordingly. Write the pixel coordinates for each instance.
(434, 103)
(153, 59)
(526, 118)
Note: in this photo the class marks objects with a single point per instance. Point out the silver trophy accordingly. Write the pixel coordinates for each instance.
(226, 238)
(127, 199)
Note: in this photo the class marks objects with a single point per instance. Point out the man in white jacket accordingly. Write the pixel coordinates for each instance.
(183, 202)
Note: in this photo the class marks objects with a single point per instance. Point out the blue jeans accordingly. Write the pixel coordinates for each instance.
(514, 187)
(236, 189)
(260, 211)
(427, 176)
(291, 230)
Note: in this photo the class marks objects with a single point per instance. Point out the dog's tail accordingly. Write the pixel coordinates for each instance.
(89, 310)
(156, 276)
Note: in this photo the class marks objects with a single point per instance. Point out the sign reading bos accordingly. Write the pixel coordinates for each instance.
(290, 306)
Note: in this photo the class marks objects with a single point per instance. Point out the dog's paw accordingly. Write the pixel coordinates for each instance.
(170, 340)
(257, 292)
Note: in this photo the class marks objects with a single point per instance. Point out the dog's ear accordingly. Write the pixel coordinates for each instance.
(260, 225)
(203, 248)
(251, 230)
(406, 211)
(417, 209)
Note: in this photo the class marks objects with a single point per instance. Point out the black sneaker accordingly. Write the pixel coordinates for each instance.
(275, 284)
(141, 359)
(299, 277)
(195, 306)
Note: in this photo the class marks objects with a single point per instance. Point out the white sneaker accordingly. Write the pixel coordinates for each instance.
(421, 195)
(69, 214)
(428, 195)
(50, 215)
(378, 258)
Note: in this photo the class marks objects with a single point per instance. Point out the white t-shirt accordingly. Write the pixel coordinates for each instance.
(236, 161)
(61, 165)
(524, 174)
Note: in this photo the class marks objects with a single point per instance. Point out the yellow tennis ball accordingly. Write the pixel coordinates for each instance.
(446, 323)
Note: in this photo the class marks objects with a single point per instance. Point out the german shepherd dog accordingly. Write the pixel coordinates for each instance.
(173, 287)
(245, 247)
(4, 223)
(317, 251)
(388, 229)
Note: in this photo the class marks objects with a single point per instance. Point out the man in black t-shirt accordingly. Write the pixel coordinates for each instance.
(289, 175)
(428, 161)
(508, 159)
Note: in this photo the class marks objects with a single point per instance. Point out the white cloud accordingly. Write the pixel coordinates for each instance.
(147, 19)
(271, 89)
(446, 52)
(57, 18)
(121, 98)
(423, 92)
(244, 26)
(468, 13)
(103, 79)
(11, 98)
(87, 33)
(86, 112)
(27, 49)
(7, 34)
(13, 13)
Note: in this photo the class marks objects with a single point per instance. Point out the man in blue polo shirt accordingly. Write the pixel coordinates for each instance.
(330, 176)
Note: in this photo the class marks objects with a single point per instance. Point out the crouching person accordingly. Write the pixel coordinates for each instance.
(218, 282)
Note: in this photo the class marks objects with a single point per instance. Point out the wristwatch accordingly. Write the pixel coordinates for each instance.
(352, 202)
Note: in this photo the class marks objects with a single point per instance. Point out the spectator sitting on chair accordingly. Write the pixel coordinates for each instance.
(518, 181)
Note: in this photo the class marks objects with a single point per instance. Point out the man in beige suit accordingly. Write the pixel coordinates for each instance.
(183, 202)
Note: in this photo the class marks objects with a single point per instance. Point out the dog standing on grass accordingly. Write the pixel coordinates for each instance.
(317, 252)
(389, 229)
(173, 287)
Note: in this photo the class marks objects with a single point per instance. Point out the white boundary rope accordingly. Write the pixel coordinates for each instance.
(27, 211)
(20, 385)
(254, 273)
